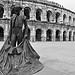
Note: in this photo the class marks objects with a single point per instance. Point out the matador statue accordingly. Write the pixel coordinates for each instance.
(17, 56)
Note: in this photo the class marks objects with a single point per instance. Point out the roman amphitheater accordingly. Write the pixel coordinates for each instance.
(47, 21)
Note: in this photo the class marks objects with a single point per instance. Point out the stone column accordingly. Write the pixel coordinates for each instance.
(6, 11)
(32, 34)
(44, 16)
(54, 34)
(61, 35)
(61, 18)
(33, 13)
(54, 16)
(43, 35)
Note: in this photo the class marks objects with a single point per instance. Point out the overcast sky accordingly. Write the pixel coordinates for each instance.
(68, 4)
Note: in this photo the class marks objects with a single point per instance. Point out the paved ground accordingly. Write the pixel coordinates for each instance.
(58, 57)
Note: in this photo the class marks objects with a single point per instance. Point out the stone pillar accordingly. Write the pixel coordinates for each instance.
(6, 11)
(43, 35)
(54, 16)
(61, 34)
(32, 34)
(61, 18)
(54, 34)
(33, 13)
(44, 16)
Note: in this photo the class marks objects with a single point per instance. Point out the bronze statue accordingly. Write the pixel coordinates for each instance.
(21, 59)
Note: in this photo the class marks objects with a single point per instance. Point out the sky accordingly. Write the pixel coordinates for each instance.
(68, 4)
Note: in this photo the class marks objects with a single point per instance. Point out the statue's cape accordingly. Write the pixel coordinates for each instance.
(20, 60)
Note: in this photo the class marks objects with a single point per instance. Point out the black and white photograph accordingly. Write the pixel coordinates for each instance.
(37, 37)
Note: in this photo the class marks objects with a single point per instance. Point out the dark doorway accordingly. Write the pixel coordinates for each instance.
(64, 18)
(49, 35)
(1, 34)
(27, 12)
(57, 35)
(73, 36)
(49, 13)
(64, 36)
(38, 34)
(1, 11)
(70, 34)
(57, 16)
(38, 14)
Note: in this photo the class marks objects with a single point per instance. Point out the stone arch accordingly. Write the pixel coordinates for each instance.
(70, 18)
(73, 36)
(1, 34)
(38, 14)
(49, 14)
(49, 35)
(64, 18)
(57, 16)
(38, 34)
(70, 35)
(73, 20)
(64, 35)
(15, 9)
(1, 11)
(27, 12)
(57, 35)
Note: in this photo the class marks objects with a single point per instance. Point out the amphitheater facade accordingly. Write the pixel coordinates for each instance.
(47, 21)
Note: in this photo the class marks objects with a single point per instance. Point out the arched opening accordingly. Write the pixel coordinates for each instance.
(27, 12)
(49, 14)
(57, 16)
(38, 14)
(73, 36)
(1, 34)
(64, 18)
(57, 35)
(70, 34)
(1, 11)
(64, 36)
(49, 35)
(70, 19)
(15, 9)
(73, 20)
(38, 34)
(28, 34)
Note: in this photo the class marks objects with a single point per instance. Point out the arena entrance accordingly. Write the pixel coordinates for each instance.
(64, 36)
(49, 35)
(1, 34)
(70, 34)
(57, 35)
(1, 11)
(38, 34)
